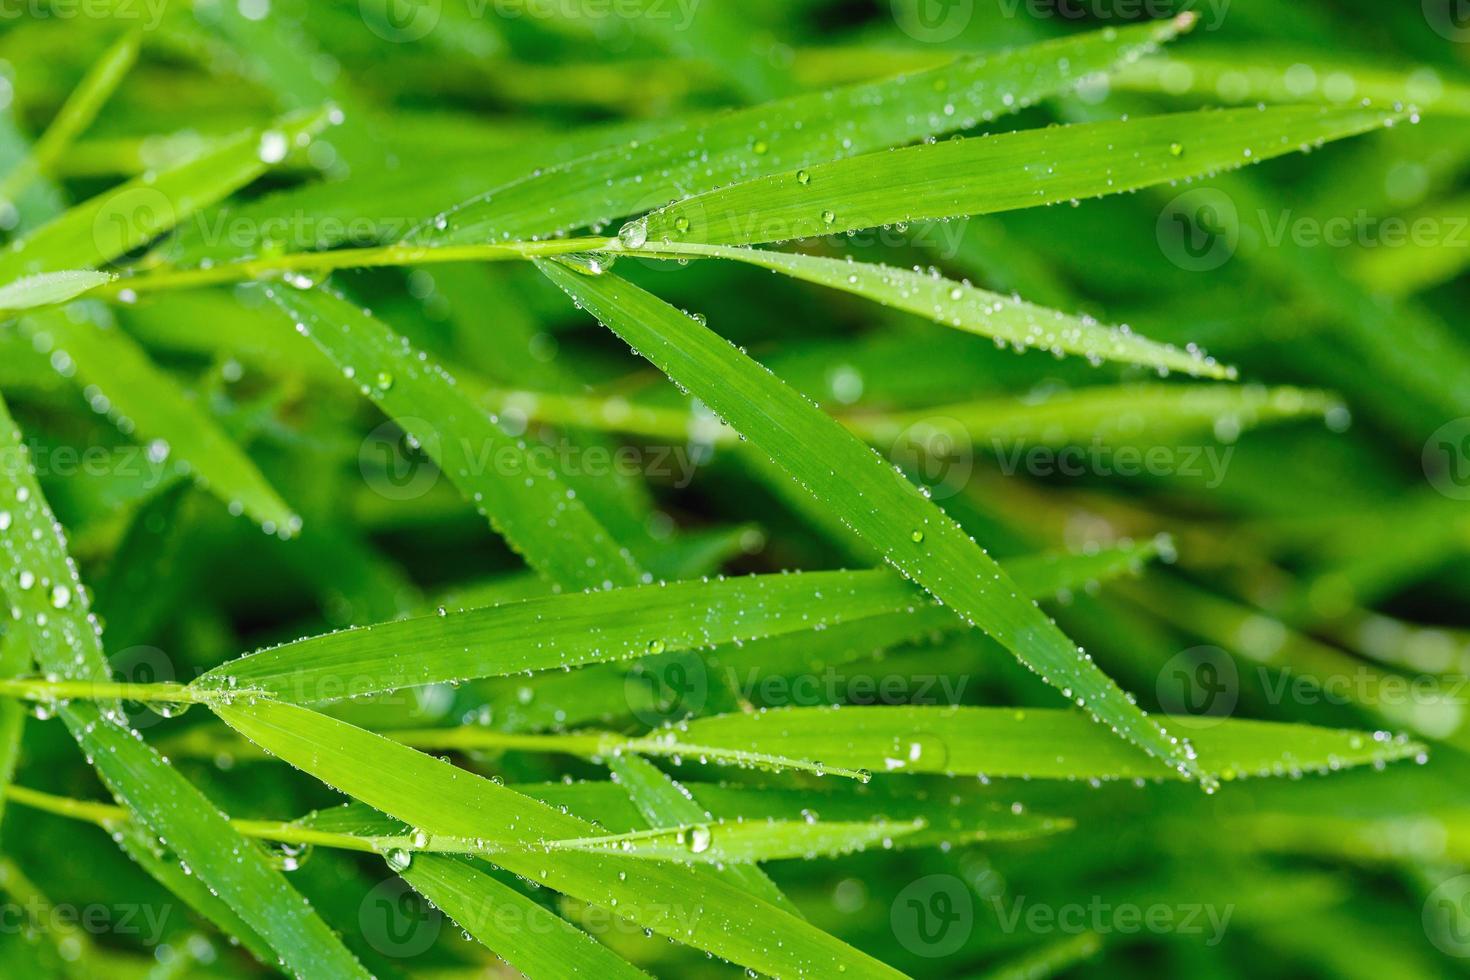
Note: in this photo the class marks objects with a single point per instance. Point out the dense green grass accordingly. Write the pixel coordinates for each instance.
(674, 487)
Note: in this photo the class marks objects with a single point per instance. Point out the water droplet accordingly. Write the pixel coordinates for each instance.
(634, 234)
(273, 146)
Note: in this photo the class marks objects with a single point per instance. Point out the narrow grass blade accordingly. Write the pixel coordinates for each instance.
(150, 405)
(1264, 78)
(949, 816)
(124, 218)
(84, 343)
(15, 659)
(559, 632)
(785, 135)
(49, 603)
(75, 115)
(913, 534)
(1050, 960)
(1005, 319)
(434, 797)
(525, 499)
(536, 942)
(665, 803)
(47, 288)
(996, 173)
(1030, 743)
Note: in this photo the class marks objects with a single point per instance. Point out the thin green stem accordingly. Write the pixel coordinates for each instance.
(599, 744)
(41, 689)
(310, 264)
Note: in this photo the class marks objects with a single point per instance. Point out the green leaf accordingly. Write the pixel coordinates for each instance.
(120, 220)
(525, 499)
(536, 942)
(48, 602)
(151, 406)
(80, 108)
(990, 174)
(890, 513)
(798, 132)
(557, 632)
(1269, 78)
(1007, 320)
(1028, 743)
(665, 803)
(47, 288)
(84, 342)
(433, 796)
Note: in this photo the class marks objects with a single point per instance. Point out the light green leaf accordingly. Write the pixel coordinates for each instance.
(560, 631)
(85, 343)
(47, 288)
(1031, 743)
(533, 940)
(119, 220)
(989, 174)
(48, 601)
(1291, 78)
(1007, 320)
(799, 132)
(525, 499)
(890, 513)
(80, 108)
(665, 803)
(433, 796)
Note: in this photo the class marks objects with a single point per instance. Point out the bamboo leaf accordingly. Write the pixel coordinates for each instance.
(84, 342)
(799, 132)
(526, 500)
(665, 803)
(990, 174)
(533, 940)
(47, 288)
(119, 220)
(695, 908)
(911, 533)
(1030, 743)
(48, 601)
(81, 107)
(559, 632)
(1005, 319)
